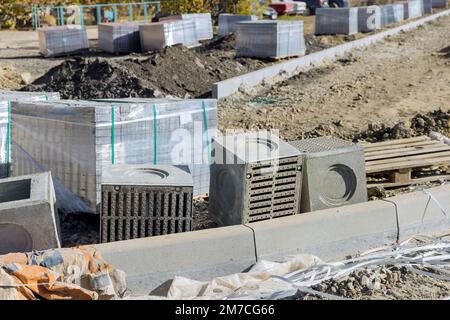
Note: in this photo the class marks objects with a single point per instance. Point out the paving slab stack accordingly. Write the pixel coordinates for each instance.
(227, 22)
(369, 18)
(119, 37)
(439, 3)
(202, 21)
(270, 39)
(76, 139)
(5, 96)
(427, 6)
(62, 40)
(336, 21)
(415, 9)
(391, 13)
(158, 35)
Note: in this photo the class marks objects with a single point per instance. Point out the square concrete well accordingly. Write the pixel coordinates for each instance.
(28, 217)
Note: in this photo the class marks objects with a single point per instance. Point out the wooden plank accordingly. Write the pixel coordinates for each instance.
(407, 158)
(387, 151)
(412, 181)
(400, 176)
(403, 146)
(396, 141)
(406, 152)
(408, 163)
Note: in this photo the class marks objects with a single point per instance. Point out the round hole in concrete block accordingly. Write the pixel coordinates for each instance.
(14, 238)
(338, 185)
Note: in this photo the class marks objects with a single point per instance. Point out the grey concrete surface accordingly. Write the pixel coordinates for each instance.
(28, 219)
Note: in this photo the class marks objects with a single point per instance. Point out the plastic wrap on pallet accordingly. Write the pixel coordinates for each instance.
(76, 139)
(427, 6)
(6, 97)
(227, 22)
(61, 40)
(415, 9)
(202, 21)
(391, 13)
(336, 21)
(439, 3)
(270, 39)
(369, 18)
(119, 37)
(158, 35)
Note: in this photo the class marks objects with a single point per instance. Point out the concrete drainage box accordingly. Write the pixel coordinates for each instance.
(202, 21)
(143, 200)
(75, 140)
(336, 21)
(334, 173)
(28, 217)
(369, 18)
(270, 39)
(227, 22)
(5, 123)
(119, 37)
(61, 40)
(158, 35)
(254, 176)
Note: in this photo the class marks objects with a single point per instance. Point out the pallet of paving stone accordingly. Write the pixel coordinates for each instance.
(439, 3)
(227, 22)
(202, 21)
(119, 37)
(331, 21)
(397, 159)
(413, 9)
(270, 39)
(158, 35)
(369, 18)
(62, 40)
(427, 6)
(76, 139)
(5, 96)
(391, 13)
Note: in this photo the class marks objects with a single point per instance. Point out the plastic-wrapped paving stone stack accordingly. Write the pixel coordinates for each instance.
(439, 3)
(158, 35)
(391, 13)
(336, 21)
(202, 21)
(76, 139)
(227, 22)
(427, 6)
(61, 40)
(415, 9)
(369, 18)
(6, 97)
(119, 37)
(270, 39)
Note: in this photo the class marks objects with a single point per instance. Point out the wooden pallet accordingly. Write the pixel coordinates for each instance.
(397, 159)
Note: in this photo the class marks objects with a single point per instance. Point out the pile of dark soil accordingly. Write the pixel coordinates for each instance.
(174, 71)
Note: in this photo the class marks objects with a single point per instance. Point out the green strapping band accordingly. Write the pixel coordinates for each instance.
(113, 160)
(205, 121)
(8, 137)
(46, 98)
(155, 137)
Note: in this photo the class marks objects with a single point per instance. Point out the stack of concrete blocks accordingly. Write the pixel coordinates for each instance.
(76, 139)
(336, 21)
(5, 96)
(439, 3)
(62, 40)
(270, 39)
(391, 13)
(145, 200)
(28, 216)
(202, 21)
(369, 18)
(227, 22)
(158, 35)
(427, 6)
(415, 9)
(119, 37)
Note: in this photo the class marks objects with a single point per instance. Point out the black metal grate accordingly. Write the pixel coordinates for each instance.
(273, 189)
(130, 212)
